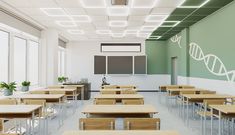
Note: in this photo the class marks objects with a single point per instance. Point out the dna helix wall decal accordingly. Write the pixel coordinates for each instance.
(176, 39)
(211, 61)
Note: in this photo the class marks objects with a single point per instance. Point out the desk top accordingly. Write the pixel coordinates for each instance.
(123, 89)
(206, 96)
(57, 89)
(119, 109)
(122, 132)
(227, 109)
(119, 96)
(190, 89)
(37, 96)
(18, 109)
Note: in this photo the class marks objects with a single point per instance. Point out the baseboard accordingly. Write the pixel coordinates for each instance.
(137, 91)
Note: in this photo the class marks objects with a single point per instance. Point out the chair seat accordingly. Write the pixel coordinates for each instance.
(204, 114)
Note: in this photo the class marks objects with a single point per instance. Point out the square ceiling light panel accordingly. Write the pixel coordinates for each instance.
(156, 18)
(76, 32)
(81, 18)
(118, 11)
(117, 23)
(66, 23)
(143, 3)
(194, 4)
(101, 32)
(93, 3)
(170, 23)
(54, 12)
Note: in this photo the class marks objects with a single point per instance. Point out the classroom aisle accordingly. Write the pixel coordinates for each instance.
(169, 120)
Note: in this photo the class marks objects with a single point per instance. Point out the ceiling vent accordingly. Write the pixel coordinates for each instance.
(119, 2)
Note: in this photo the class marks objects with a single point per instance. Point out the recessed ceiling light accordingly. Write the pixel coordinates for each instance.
(154, 37)
(103, 32)
(93, 3)
(66, 23)
(117, 23)
(155, 18)
(172, 23)
(199, 6)
(118, 35)
(148, 28)
(76, 32)
(81, 18)
(55, 12)
(118, 11)
(143, 3)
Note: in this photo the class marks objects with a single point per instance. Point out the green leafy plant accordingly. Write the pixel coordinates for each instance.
(26, 83)
(62, 79)
(10, 87)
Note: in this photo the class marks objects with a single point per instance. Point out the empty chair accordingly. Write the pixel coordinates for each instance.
(128, 92)
(38, 92)
(132, 101)
(142, 124)
(97, 123)
(36, 102)
(207, 92)
(107, 92)
(105, 102)
(8, 101)
(187, 92)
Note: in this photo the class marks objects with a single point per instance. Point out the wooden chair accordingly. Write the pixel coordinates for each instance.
(127, 87)
(1, 126)
(107, 92)
(37, 92)
(128, 92)
(8, 101)
(207, 92)
(97, 124)
(56, 87)
(132, 101)
(142, 124)
(109, 87)
(104, 101)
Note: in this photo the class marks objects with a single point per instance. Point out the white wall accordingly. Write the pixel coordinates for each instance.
(80, 64)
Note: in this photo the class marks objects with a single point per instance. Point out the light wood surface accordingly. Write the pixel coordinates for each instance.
(227, 109)
(47, 97)
(122, 132)
(207, 96)
(119, 109)
(118, 96)
(97, 123)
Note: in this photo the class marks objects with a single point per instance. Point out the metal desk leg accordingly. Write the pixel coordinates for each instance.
(187, 112)
(219, 122)
(212, 121)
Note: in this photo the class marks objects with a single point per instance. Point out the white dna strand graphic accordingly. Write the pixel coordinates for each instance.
(212, 62)
(176, 39)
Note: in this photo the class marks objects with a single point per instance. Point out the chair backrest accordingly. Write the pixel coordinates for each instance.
(208, 102)
(186, 87)
(104, 102)
(127, 87)
(36, 102)
(56, 92)
(187, 92)
(128, 92)
(97, 123)
(109, 87)
(207, 92)
(1, 126)
(142, 124)
(55, 87)
(38, 92)
(107, 92)
(132, 101)
(8, 101)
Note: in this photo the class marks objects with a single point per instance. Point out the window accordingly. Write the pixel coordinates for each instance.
(19, 60)
(33, 62)
(120, 47)
(61, 61)
(4, 47)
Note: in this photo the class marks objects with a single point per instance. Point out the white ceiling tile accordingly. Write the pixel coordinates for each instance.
(101, 24)
(152, 23)
(96, 11)
(136, 18)
(19, 3)
(69, 3)
(139, 11)
(99, 18)
(87, 26)
(75, 11)
(135, 23)
(32, 11)
(93, 3)
(143, 3)
(162, 10)
(169, 3)
(118, 18)
(118, 11)
(43, 4)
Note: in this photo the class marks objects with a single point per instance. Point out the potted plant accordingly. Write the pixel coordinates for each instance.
(62, 79)
(8, 88)
(25, 86)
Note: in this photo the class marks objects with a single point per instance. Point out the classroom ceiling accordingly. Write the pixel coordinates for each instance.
(101, 20)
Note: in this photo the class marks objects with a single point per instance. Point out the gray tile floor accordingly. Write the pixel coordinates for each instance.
(169, 119)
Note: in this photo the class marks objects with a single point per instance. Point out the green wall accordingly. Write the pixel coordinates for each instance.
(156, 57)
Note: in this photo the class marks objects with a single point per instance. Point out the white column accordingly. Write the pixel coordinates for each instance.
(49, 57)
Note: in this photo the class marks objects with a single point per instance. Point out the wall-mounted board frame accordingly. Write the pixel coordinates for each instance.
(120, 47)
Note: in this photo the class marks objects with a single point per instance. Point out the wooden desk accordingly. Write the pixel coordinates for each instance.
(118, 87)
(118, 91)
(223, 110)
(20, 111)
(50, 98)
(122, 132)
(119, 110)
(165, 87)
(119, 96)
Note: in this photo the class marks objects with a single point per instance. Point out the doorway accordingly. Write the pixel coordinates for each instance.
(174, 73)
